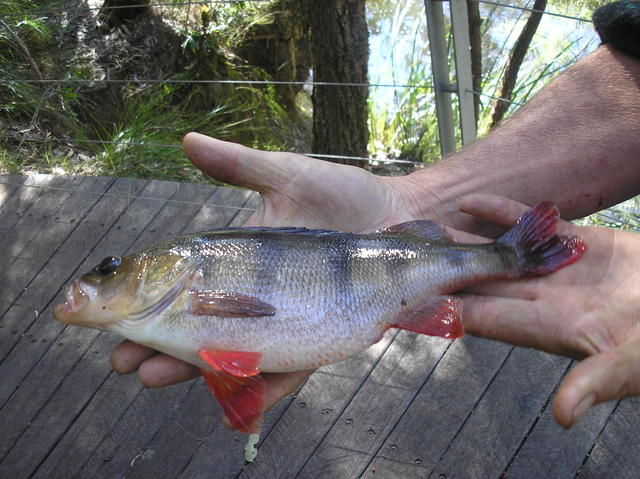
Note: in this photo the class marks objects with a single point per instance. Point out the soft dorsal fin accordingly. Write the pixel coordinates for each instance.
(424, 228)
(228, 304)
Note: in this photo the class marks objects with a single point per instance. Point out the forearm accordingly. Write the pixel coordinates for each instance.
(577, 143)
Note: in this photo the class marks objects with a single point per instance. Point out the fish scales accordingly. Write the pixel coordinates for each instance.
(350, 287)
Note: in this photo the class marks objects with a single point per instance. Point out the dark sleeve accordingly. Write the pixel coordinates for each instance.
(618, 25)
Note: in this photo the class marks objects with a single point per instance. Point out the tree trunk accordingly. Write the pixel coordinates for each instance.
(515, 61)
(475, 38)
(282, 49)
(116, 12)
(340, 52)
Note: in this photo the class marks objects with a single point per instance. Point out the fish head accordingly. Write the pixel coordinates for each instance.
(119, 288)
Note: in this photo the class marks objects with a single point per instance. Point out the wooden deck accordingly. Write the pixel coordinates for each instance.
(410, 406)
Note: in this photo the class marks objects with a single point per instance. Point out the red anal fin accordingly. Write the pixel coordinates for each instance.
(241, 364)
(242, 399)
(440, 316)
(228, 304)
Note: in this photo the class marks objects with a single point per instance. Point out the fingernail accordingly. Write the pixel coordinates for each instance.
(582, 407)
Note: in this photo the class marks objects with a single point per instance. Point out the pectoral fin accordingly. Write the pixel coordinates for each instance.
(228, 304)
(241, 398)
(439, 316)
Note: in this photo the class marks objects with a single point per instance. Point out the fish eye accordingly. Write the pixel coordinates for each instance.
(108, 265)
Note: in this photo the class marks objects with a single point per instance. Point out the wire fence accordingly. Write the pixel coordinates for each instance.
(627, 217)
(151, 81)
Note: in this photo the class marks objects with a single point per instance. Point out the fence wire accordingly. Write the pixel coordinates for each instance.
(526, 9)
(228, 82)
(230, 2)
(72, 81)
(168, 145)
(609, 216)
(124, 7)
(127, 196)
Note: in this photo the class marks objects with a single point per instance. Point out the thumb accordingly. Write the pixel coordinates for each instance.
(603, 377)
(238, 165)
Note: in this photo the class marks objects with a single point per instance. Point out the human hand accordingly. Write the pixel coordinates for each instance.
(587, 310)
(296, 190)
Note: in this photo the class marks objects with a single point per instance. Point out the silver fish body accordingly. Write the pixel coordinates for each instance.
(238, 302)
(334, 294)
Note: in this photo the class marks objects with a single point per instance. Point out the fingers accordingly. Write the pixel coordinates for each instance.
(127, 356)
(515, 321)
(278, 385)
(162, 370)
(154, 370)
(236, 164)
(603, 377)
(499, 210)
(496, 209)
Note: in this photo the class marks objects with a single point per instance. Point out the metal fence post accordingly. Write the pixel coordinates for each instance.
(443, 87)
(464, 77)
(441, 81)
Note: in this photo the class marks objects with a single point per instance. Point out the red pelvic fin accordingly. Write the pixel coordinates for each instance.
(439, 316)
(242, 399)
(228, 304)
(240, 364)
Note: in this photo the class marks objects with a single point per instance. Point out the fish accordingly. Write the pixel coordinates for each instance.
(237, 302)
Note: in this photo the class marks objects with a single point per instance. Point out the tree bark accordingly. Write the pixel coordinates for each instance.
(116, 12)
(475, 38)
(282, 49)
(515, 61)
(340, 52)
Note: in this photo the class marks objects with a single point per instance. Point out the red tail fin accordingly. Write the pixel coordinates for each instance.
(539, 249)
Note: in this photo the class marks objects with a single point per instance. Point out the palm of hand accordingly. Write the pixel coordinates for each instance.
(586, 310)
(296, 191)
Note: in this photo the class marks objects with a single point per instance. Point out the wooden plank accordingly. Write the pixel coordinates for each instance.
(501, 419)
(118, 442)
(12, 328)
(9, 184)
(16, 277)
(17, 204)
(37, 198)
(551, 451)
(376, 407)
(37, 237)
(45, 208)
(317, 406)
(23, 404)
(615, 453)
(193, 423)
(157, 446)
(387, 468)
(20, 229)
(46, 377)
(57, 362)
(48, 281)
(441, 408)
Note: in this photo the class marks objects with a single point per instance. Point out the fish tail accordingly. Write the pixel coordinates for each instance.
(538, 248)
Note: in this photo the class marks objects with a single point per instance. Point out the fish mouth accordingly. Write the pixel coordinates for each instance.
(75, 300)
